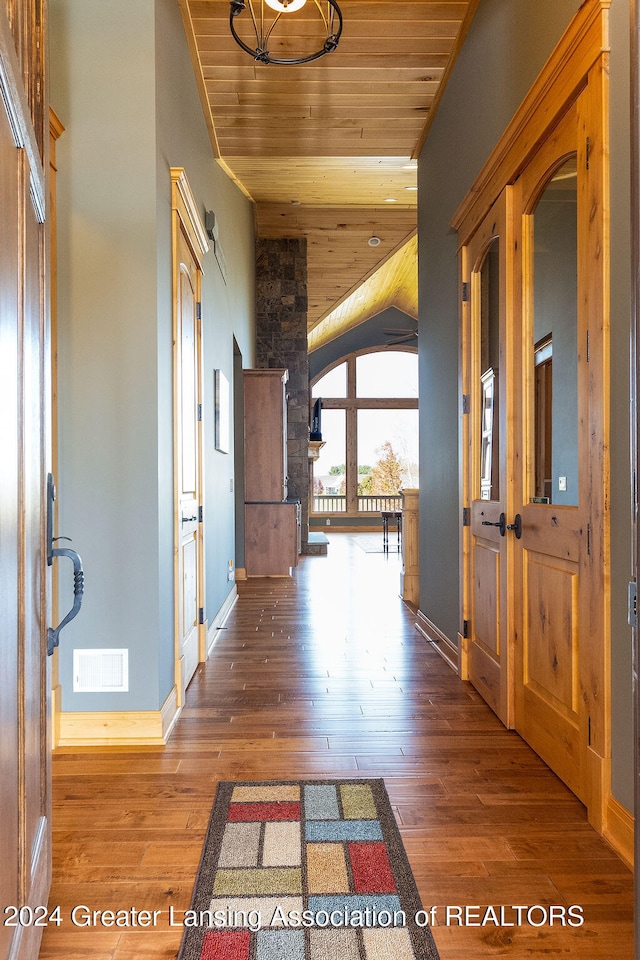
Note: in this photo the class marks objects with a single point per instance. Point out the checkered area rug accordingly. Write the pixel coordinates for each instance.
(305, 870)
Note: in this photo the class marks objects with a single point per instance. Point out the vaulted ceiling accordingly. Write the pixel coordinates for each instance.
(327, 150)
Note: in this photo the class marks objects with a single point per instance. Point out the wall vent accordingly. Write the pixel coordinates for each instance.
(100, 671)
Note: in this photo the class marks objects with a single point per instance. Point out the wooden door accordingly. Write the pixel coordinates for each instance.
(486, 275)
(188, 538)
(552, 455)
(25, 824)
(551, 169)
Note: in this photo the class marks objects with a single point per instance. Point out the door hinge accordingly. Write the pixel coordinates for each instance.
(587, 152)
(201, 615)
(588, 539)
(465, 403)
(465, 292)
(466, 517)
(199, 411)
(198, 310)
(632, 604)
(200, 514)
(465, 629)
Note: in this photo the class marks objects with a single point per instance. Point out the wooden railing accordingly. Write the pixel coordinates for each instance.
(327, 503)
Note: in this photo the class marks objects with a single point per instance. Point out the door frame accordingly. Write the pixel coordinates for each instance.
(578, 63)
(26, 337)
(186, 221)
(490, 670)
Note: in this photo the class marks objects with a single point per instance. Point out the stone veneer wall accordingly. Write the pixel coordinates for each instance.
(281, 341)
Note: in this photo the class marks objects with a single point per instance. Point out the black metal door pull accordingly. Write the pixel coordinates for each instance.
(53, 634)
(516, 526)
(501, 523)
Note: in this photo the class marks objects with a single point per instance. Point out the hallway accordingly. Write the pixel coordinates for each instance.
(320, 676)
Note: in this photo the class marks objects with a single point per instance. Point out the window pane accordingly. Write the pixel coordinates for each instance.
(489, 330)
(553, 348)
(329, 469)
(390, 373)
(333, 384)
(387, 456)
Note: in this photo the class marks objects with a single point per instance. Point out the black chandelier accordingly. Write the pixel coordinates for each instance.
(264, 23)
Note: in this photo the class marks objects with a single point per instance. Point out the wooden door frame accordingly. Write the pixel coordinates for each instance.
(501, 212)
(186, 221)
(24, 97)
(579, 62)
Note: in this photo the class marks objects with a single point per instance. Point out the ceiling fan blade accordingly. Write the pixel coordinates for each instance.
(406, 339)
(391, 331)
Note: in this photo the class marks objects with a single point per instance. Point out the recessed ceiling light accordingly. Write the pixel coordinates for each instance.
(390, 200)
(411, 188)
(374, 241)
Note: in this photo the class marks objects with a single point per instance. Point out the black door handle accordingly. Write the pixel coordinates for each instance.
(53, 635)
(188, 519)
(500, 523)
(516, 526)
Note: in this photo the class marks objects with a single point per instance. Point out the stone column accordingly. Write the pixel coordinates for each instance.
(281, 341)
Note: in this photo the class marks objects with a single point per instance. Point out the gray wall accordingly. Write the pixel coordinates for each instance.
(367, 334)
(123, 86)
(515, 40)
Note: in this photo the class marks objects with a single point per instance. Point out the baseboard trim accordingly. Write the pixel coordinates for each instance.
(438, 640)
(220, 618)
(619, 830)
(125, 728)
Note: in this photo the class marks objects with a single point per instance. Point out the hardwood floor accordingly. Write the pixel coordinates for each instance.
(324, 675)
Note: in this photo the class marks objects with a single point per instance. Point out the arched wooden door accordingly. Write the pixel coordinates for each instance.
(535, 351)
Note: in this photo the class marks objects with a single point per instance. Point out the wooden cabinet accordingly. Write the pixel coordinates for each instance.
(271, 539)
(265, 435)
(271, 522)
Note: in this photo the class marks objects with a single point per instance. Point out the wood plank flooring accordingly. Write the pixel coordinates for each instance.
(320, 676)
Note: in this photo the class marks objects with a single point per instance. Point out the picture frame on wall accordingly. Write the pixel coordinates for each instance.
(221, 411)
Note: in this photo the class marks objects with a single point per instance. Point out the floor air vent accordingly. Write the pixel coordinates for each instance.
(100, 671)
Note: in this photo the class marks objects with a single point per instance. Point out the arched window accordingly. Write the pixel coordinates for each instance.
(369, 430)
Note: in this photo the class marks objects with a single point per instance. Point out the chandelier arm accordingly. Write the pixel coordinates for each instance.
(270, 31)
(320, 11)
(238, 40)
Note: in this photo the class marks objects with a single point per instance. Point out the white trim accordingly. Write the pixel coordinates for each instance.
(438, 640)
(221, 616)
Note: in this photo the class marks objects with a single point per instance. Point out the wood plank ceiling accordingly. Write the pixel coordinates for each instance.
(327, 149)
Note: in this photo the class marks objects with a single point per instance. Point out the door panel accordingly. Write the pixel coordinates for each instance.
(487, 279)
(9, 440)
(550, 556)
(187, 465)
(36, 685)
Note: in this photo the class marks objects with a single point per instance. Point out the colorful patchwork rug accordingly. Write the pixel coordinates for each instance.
(305, 870)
